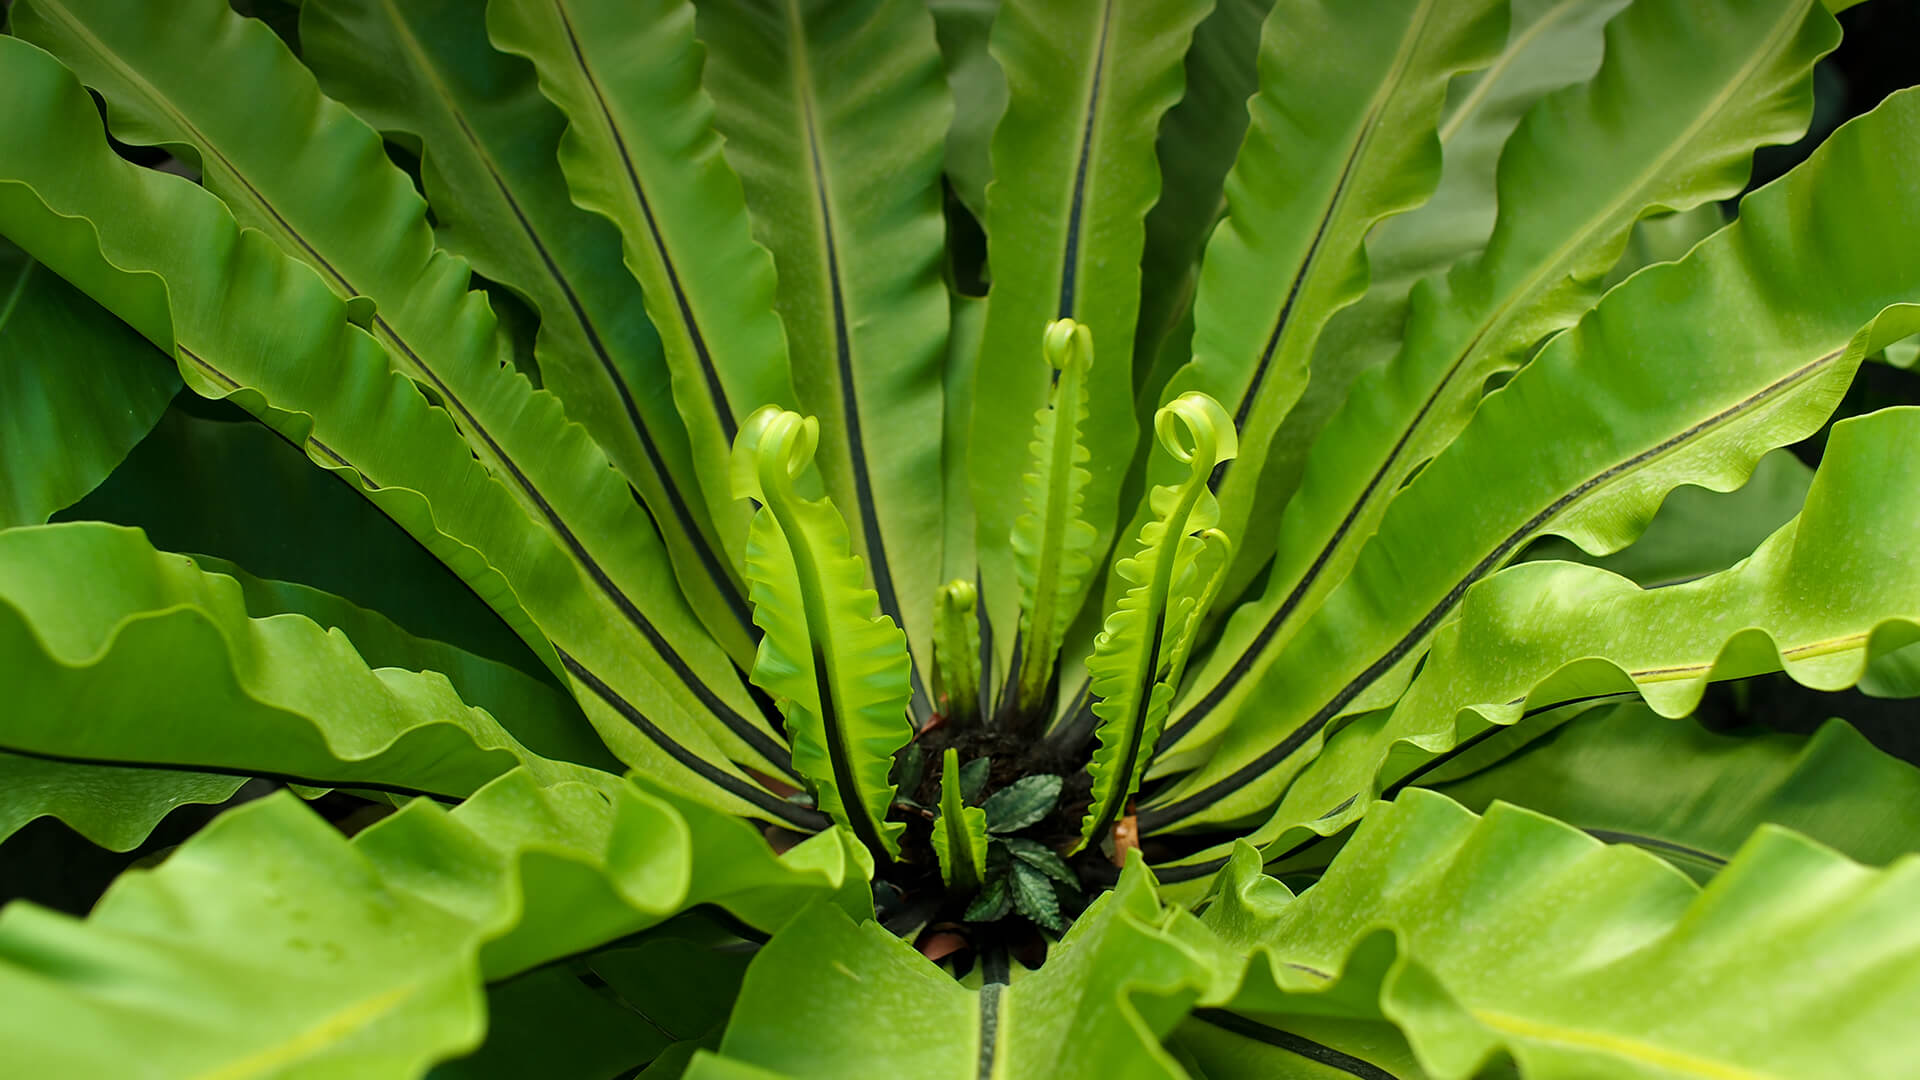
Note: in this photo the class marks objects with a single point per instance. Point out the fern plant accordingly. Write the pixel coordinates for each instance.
(823, 538)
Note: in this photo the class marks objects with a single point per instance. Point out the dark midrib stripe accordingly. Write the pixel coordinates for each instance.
(989, 1028)
(715, 390)
(1319, 1053)
(1613, 836)
(1135, 730)
(225, 770)
(739, 725)
(850, 403)
(839, 754)
(709, 561)
(1070, 262)
(1299, 280)
(779, 807)
(1153, 820)
(798, 816)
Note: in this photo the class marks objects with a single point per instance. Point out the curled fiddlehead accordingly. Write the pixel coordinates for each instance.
(838, 669)
(1140, 652)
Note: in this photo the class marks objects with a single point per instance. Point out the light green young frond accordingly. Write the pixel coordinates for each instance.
(839, 671)
(1138, 656)
(956, 652)
(960, 832)
(1052, 541)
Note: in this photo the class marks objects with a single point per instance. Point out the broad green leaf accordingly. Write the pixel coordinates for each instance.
(78, 390)
(116, 807)
(1052, 541)
(960, 832)
(1699, 531)
(979, 95)
(424, 72)
(1765, 341)
(325, 191)
(166, 668)
(838, 669)
(1140, 653)
(1074, 176)
(184, 968)
(1021, 803)
(1628, 775)
(237, 491)
(854, 223)
(1686, 92)
(1518, 644)
(539, 716)
(1514, 934)
(1111, 988)
(1199, 139)
(956, 517)
(1550, 44)
(177, 268)
(640, 149)
(1339, 139)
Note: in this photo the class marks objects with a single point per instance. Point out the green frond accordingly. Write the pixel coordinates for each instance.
(839, 670)
(959, 833)
(1052, 541)
(1138, 656)
(956, 652)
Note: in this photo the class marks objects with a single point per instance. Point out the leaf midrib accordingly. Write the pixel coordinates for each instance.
(1497, 317)
(872, 539)
(1153, 820)
(596, 342)
(739, 724)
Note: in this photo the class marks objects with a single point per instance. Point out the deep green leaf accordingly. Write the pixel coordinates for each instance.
(973, 778)
(78, 390)
(1339, 139)
(323, 189)
(1518, 646)
(1629, 775)
(1021, 803)
(1687, 91)
(186, 264)
(239, 492)
(640, 149)
(855, 227)
(994, 901)
(979, 95)
(1768, 341)
(1041, 858)
(113, 806)
(424, 72)
(1033, 897)
(165, 666)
